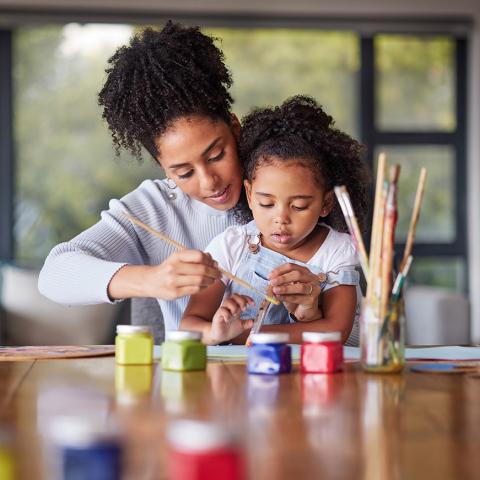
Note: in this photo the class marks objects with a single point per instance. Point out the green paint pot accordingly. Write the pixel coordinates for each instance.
(183, 351)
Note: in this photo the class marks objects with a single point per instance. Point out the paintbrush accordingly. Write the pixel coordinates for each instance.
(415, 215)
(400, 280)
(345, 203)
(388, 240)
(257, 324)
(377, 229)
(182, 247)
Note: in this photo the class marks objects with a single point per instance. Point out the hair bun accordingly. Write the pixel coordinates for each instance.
(303, 109)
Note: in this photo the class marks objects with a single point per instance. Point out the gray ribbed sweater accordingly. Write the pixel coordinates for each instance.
(79, 271)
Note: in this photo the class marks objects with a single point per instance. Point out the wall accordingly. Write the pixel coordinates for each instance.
(248, 10)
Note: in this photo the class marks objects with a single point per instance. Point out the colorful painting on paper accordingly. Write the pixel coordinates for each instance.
(54, 351)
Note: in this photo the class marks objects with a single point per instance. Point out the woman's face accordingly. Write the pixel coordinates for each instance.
(200, 155)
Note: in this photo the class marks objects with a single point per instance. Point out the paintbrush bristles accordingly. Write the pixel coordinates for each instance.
(182, 247)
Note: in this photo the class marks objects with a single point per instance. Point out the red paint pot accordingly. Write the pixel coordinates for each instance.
(321, 352)
(203, 451)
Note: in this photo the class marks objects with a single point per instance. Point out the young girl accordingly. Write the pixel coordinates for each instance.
(293, 158)
(167, 91)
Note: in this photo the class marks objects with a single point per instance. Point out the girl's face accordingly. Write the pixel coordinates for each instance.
(200, 156)
(287, 203)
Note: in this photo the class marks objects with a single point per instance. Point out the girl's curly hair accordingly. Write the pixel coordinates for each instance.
(159, 77)
(300, 129)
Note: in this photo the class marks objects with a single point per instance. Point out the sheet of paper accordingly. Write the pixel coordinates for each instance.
(239, 352)
(443, 353)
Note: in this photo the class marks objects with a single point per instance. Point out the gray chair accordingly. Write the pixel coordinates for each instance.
(28, 318)
(146, 311)
(436, 316)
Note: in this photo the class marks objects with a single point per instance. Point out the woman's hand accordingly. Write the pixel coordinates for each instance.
(226, 323)
(183, 273)
(299, 290)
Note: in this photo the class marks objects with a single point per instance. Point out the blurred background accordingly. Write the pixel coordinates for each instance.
(400, 76)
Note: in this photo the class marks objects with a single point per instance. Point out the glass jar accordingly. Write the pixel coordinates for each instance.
(382, 340)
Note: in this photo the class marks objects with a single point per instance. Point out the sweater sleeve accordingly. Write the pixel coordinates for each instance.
(78, 272)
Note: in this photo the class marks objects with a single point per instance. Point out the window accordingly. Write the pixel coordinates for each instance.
(65, 166)
(403, 94)
(413, 110)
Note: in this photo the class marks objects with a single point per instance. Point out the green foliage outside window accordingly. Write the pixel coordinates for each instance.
(66, 170)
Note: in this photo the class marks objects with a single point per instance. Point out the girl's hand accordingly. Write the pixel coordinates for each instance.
(298, 288)
(226, 323)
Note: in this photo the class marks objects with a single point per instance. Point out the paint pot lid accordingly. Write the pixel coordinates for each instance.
(198, 436)
(319, 337)
(134, 329)
(264, 338)
(180, 335)
(81, 432)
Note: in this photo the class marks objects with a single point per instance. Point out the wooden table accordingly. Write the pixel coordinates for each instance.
(343, 426)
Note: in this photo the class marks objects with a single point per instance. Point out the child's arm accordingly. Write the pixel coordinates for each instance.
(338, 306)
(218, 323)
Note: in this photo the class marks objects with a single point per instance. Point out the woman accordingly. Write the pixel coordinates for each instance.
(167, 91)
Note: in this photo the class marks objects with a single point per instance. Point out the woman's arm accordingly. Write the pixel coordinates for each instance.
(218, 322)
(183, 273)
(114, 259)
(338, 306)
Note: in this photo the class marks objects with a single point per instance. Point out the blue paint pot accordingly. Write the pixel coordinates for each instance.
(269, 354)
(86, 449)
(94, 461)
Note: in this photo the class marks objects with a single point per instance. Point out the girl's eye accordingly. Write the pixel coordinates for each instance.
(217, 157)
(186, 175)
(270, 205)
(299, 208)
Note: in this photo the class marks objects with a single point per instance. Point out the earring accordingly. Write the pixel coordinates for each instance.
(171, 195)
(169, 185)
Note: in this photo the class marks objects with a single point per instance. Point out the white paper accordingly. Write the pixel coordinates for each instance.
(239, 352)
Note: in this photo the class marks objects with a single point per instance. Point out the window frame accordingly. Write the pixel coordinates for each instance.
(6, 148)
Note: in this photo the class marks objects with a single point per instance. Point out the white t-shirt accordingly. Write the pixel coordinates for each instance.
(337, 257)
(336, 253)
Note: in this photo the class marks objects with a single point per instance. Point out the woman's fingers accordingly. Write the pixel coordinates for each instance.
(193, 256)
(192, 262)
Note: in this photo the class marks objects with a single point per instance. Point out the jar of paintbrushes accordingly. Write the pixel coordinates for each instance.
(382, 337)
(382, 318)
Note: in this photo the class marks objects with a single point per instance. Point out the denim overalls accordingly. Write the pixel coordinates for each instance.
(254, 268)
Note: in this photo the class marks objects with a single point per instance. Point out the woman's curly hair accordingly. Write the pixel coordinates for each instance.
(300, 129)
(159, 77)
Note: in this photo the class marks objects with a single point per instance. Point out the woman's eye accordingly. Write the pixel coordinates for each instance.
(217, 157)
(186, 175)
(269, 205)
